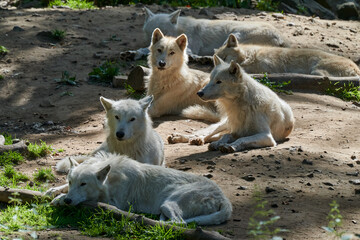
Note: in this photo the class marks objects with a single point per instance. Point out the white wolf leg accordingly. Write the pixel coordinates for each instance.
(171, 210)
(259, 140)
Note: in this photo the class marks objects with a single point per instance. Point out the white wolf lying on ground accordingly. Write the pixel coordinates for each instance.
(205, 35)
(255, 116)
(172, 83)
(129, 132)
(124, 183)
(260, 59)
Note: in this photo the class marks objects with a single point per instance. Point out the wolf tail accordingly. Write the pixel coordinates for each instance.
(64, 165)
(215, 218)
(199, 112)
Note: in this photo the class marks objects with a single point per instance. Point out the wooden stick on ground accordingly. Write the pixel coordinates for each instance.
(190, 234)
(20, 146)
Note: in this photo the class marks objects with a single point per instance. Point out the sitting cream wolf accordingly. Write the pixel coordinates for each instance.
(122, 182)
(255, 116)
(260, 59)
(130, 132)
(172, 83)
(206, 35)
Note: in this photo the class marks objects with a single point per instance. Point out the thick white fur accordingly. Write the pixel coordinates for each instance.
(174, 85)
(255, 116)
(140, 142)
(259, 59)
(206, 35)
(123, 182)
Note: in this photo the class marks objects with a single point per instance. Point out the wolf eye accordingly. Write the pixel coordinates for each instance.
(172, 53)
(117, 117)
(132, 119)
(218, 82)
(83, 184)
(159, 50)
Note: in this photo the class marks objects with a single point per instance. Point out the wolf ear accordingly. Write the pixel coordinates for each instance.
(148, 14)
(232, 41)
(181, 41)
(146, 101)
(217, 60)
(156, 36)
(107, 103)
(174, 16)
(235, 69)
(102, 173)
(73, 163)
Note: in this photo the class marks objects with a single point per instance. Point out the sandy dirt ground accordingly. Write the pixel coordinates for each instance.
(302, 176)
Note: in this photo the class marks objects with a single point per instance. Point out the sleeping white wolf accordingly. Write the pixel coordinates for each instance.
(124, 183)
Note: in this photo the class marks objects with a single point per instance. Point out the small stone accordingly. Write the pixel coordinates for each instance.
(308, 184)
(209, 162)
(119, 81)
(269, 190)
(18, 29)
(350, 164)
(307, 162)
(353, 157)
(242, 188)
(278, 15)
(208, 175)
(249, 178)
(355, 181)
(311, 175)
(290, 24)
(354, 221)
(184, 168)
(354, 174)
(210, 167)
(332, 45)
(328, 184)
(331, 188)
(357, 191)
(274, 205)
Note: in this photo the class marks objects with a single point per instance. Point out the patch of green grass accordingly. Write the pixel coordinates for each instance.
(3, 51)
(8, 138)
(44, 175)
(276, 87)
(41, 215)
(348, 92)
(73, 4)
(267, 5)
(262, 221)
(58, 34)
(36, 150)
(11, 158)
(133, 93)
(11, 173)
(104, 73)
(66, 79)
(2, 77)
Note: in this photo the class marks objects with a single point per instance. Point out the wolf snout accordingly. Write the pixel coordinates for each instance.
(162, 63)
(120, 134)
(200, 94)
(67, 200)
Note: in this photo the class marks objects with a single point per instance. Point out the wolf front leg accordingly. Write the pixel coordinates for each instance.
(221, 142)
(260, 140)
(52, 192)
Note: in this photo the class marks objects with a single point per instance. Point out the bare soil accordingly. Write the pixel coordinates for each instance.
(302, 175)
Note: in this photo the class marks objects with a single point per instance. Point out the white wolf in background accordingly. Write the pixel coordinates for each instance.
(260, 59)
(255, 116)
(122, 182)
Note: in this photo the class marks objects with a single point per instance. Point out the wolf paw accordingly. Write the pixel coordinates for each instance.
(176, 138)
(196, 141)
(59, 200)
(227, 149)
(213, 146)
(52, 192)
(128, 55)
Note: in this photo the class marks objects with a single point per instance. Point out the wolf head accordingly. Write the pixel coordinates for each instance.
(85, 183)
(231, 51)
(127, 119)
(166, 22)
(167, 53)
(224, 79)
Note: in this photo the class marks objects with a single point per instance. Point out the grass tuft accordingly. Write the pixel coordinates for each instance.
(104, 73)
(347, 92)
(66, 79)
(36, 151)
(73, 4)
(58, 34)
(44, 175)
(276, 87)
(3, 51)
(11, 158)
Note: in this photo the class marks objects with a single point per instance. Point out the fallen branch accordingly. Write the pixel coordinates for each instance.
(23, 194)
(20, 147)
(308, 82)
(190, 234)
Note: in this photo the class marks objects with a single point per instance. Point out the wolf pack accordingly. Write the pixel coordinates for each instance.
(129, 169)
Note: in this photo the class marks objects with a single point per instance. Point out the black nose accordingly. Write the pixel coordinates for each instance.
(67, 200)
(162, 63)
(200, 94)
(120, 134)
